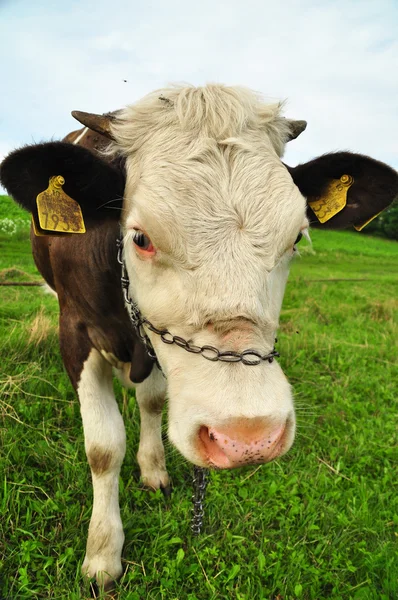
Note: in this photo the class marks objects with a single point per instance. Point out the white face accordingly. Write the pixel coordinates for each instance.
(222, 219)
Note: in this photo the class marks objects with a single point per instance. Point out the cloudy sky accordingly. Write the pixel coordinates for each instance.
(335, 61)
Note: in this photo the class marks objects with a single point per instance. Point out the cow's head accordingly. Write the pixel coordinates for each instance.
(210, 219)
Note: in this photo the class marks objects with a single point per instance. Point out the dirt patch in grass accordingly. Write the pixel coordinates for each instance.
(12, 274)
(382, 311)
(40, 328)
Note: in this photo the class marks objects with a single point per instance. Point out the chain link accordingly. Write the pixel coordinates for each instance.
(247, 357)
(200, 479)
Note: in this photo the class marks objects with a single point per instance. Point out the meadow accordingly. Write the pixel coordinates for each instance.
(322, 522)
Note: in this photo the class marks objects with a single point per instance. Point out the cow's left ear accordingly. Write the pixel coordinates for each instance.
(344, 189)
(95, 184)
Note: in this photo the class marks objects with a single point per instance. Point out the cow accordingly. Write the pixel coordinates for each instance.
(192, 184)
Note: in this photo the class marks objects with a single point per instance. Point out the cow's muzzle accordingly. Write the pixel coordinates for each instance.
(245, 442)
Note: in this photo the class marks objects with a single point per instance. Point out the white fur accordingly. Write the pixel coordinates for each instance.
(151, 395)
(104, 434)
(206, 183)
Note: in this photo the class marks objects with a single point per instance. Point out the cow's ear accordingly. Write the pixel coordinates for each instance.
(96, 185)
(345, 189)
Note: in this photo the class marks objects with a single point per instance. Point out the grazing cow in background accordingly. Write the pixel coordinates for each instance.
(210, 218)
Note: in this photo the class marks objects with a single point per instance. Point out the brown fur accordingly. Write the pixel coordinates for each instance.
(99, 460)
(84, 271)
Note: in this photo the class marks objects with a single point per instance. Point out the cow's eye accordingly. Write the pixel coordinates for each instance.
(300, 235)
(142, 241)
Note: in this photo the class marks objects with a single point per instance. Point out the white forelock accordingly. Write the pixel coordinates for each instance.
(213, 111)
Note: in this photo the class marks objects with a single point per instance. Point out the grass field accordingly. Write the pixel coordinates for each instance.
(320, 523)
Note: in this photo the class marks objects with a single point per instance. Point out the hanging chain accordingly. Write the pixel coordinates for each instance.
(200, 480)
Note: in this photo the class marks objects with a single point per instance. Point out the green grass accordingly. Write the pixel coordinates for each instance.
(13, 221)
(320, 523)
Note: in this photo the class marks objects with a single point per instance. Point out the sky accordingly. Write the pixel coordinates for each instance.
(336, 63)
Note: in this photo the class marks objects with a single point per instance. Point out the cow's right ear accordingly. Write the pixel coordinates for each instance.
(345, 189)
(96, 185)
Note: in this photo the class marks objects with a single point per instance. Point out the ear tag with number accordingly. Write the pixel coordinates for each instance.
(57, 211)
(333, 200)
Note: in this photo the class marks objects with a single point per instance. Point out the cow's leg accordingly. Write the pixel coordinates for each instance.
(105, 443)
(150, 397)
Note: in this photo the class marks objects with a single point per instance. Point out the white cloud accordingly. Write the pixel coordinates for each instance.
(335, 61)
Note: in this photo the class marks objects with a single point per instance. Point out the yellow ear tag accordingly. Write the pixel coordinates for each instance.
(362, 225)
(57, 211)
(36, 229)
(333, 200)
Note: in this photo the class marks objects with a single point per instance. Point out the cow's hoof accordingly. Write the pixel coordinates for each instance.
(156, 479)
(166, 490)
(104, 573)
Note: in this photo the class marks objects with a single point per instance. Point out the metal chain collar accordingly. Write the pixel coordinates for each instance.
(135, 316)
(247, 357)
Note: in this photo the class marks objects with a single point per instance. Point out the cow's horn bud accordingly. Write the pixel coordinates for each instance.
(99, 123)
(296, 127)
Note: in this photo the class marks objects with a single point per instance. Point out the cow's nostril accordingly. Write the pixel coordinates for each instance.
(210, 449)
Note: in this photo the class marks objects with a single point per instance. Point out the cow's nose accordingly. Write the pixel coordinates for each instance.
(245, 443)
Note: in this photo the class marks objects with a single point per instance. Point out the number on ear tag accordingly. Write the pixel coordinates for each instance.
(57, 211)
(333, 200)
